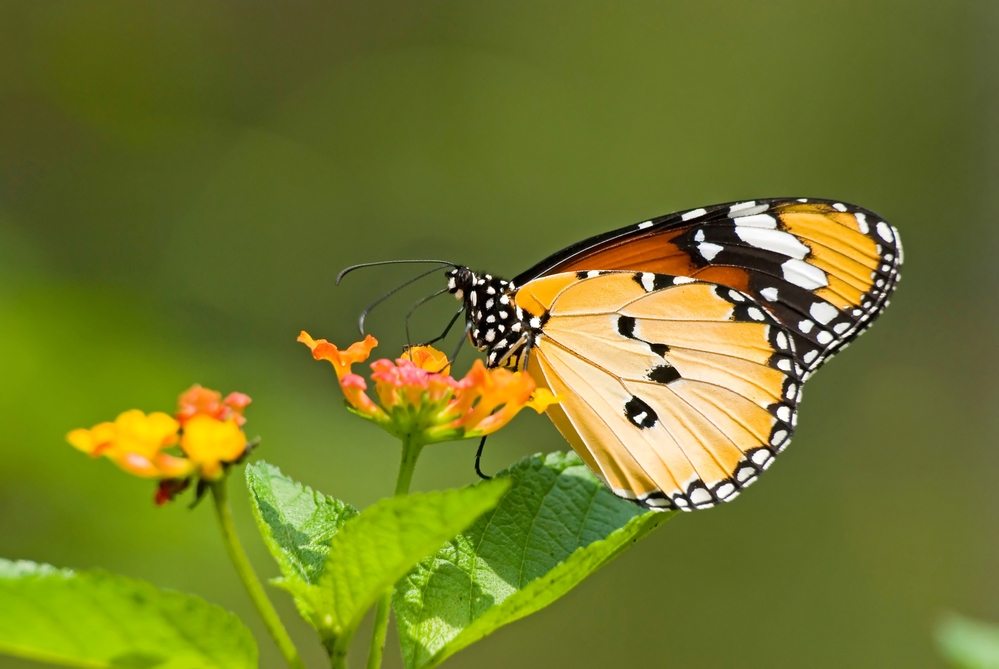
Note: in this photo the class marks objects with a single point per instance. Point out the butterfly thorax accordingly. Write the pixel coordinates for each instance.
(495, 324)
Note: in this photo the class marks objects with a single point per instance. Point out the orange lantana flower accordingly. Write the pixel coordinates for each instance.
(418, 399)
(198, 400)
(204, 437)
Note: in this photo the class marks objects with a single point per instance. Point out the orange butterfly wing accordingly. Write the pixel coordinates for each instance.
(677, 392)
(823, 269)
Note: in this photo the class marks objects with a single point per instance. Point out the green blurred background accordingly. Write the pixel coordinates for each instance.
(180, 182)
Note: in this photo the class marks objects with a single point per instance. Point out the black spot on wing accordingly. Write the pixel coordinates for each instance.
(651, 282)
(659, 349)
(626, 326)
(748, 311)
(663, 374)
(640, 413)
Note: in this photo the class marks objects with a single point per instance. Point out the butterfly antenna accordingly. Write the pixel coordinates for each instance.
(478, 458)
(367, 310)
(412, 310)
(378, 263)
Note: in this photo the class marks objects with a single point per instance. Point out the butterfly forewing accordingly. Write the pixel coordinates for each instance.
(677, 391)
(823, 269)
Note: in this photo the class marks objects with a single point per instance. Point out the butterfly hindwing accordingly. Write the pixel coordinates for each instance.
(677, 391)
(822, 269)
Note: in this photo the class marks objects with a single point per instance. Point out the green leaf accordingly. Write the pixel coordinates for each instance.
(968, 644)
(555, 527)
(372, 551)
(296, 522)
(96, 619)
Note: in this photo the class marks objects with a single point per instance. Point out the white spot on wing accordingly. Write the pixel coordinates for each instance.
(739, 206)
(769, 294)
(801, 274)
(772, 240)
(700, 496)
(693, 213)
(823, 312)
(708, 250)
(885, 231)
(839, 206)
(759, 221)
(862, 222)
(646, 224)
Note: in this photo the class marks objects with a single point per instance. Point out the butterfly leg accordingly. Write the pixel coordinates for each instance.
(478, 458)
(445, 332)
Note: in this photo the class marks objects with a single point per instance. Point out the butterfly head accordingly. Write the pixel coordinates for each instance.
(496, 326)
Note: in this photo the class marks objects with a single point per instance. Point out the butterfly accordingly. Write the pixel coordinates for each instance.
(678, 346)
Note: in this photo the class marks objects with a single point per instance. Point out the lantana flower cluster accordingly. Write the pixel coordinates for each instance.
(203, 436)
(416, 398)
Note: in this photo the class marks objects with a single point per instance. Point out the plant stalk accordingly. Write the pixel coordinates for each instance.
(410, 452)
(249, 577)
(338, 658)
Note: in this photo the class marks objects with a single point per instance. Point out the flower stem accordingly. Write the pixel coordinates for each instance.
(338, 658)
(411, 449)
(250, 580)
(410, 452)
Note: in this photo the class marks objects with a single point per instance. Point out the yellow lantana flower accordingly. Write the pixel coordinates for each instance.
(136, 442)
(199, 442)
(210, 442)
